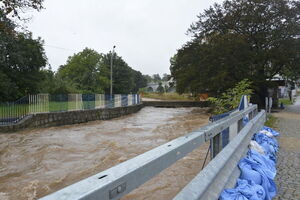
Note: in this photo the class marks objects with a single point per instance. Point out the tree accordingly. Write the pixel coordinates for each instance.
(123, 76)
(230, 99)
(166, 88)
(148, 78)
(125, 79)
(254, 39)
(139, 81)
(15, 6)
(165, 77)
(48, 82)
(156, 78)
(87, 71)
(21, 60)
(160, 88)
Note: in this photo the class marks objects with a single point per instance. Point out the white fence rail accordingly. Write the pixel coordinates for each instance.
(12, 112)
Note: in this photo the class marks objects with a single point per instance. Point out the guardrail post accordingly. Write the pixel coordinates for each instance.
(216, 145)
(240, 125)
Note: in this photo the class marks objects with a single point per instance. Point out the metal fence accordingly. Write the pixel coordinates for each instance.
(114, 183)
(12, 112)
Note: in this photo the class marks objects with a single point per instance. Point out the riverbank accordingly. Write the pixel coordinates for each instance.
(50, 119)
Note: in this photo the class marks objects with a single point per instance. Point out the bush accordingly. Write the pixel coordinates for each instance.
(230, 99)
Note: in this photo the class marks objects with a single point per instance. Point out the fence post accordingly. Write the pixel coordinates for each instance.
(138, 99)
(118, 102)
(133, 99)
(129, 99)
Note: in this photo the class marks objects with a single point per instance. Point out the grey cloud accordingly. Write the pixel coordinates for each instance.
(146, 32)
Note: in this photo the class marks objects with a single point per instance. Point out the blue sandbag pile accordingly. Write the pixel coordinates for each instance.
(258, 169)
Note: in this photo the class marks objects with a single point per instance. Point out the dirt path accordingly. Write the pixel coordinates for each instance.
(288, 174)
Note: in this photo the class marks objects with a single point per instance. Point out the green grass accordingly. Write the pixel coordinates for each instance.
(168, 96)
(271, 121)
(53, 106)
(285, 101)
(13, 111)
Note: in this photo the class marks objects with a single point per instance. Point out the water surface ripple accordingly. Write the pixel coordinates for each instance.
(38, 162)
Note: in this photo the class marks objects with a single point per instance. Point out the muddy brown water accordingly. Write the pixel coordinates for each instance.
(38, 162)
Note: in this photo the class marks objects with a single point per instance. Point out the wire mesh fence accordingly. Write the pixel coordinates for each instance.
(12, 112)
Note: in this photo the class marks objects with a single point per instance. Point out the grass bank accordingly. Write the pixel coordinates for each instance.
(168, 96)
(285, 101)
(16, 110)
(271, 121)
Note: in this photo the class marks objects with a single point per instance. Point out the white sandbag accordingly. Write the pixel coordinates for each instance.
(255, 146)
(267, 133)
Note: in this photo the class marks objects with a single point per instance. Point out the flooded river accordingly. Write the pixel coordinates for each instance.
(38, 162)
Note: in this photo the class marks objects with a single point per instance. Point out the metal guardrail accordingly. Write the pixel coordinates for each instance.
(121, 179)
(222, 172)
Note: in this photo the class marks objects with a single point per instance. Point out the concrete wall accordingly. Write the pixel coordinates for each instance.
(69, 117)
(175, 104)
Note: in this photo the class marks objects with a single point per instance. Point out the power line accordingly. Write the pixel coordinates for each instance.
(61, 48)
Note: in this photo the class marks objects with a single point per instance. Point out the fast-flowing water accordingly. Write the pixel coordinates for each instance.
(41, 161)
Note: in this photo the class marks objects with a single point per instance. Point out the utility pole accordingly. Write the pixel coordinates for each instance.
(111, 66)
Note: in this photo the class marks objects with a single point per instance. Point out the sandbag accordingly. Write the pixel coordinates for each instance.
(270, 145)
(255, 146)
(258, 169)
(268, 164)
(267, 133)
(254, 169)
(260, 138)
(244, 190)
(275, 133)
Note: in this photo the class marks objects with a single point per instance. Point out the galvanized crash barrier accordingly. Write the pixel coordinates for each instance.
(121, 179)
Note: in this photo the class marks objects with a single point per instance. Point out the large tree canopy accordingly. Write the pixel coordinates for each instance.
(89, 72)
(254, 39)
(86, 71)
(21, 61)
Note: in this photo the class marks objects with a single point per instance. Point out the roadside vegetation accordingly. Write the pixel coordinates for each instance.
(285, 101)
(230, 99)
(271, 121)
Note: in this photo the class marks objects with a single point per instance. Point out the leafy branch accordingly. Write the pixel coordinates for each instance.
(230, 99)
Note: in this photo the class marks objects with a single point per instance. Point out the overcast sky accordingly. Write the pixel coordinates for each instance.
(146, 32)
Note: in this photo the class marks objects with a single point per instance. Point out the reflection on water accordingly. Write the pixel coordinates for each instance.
(38, 162)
